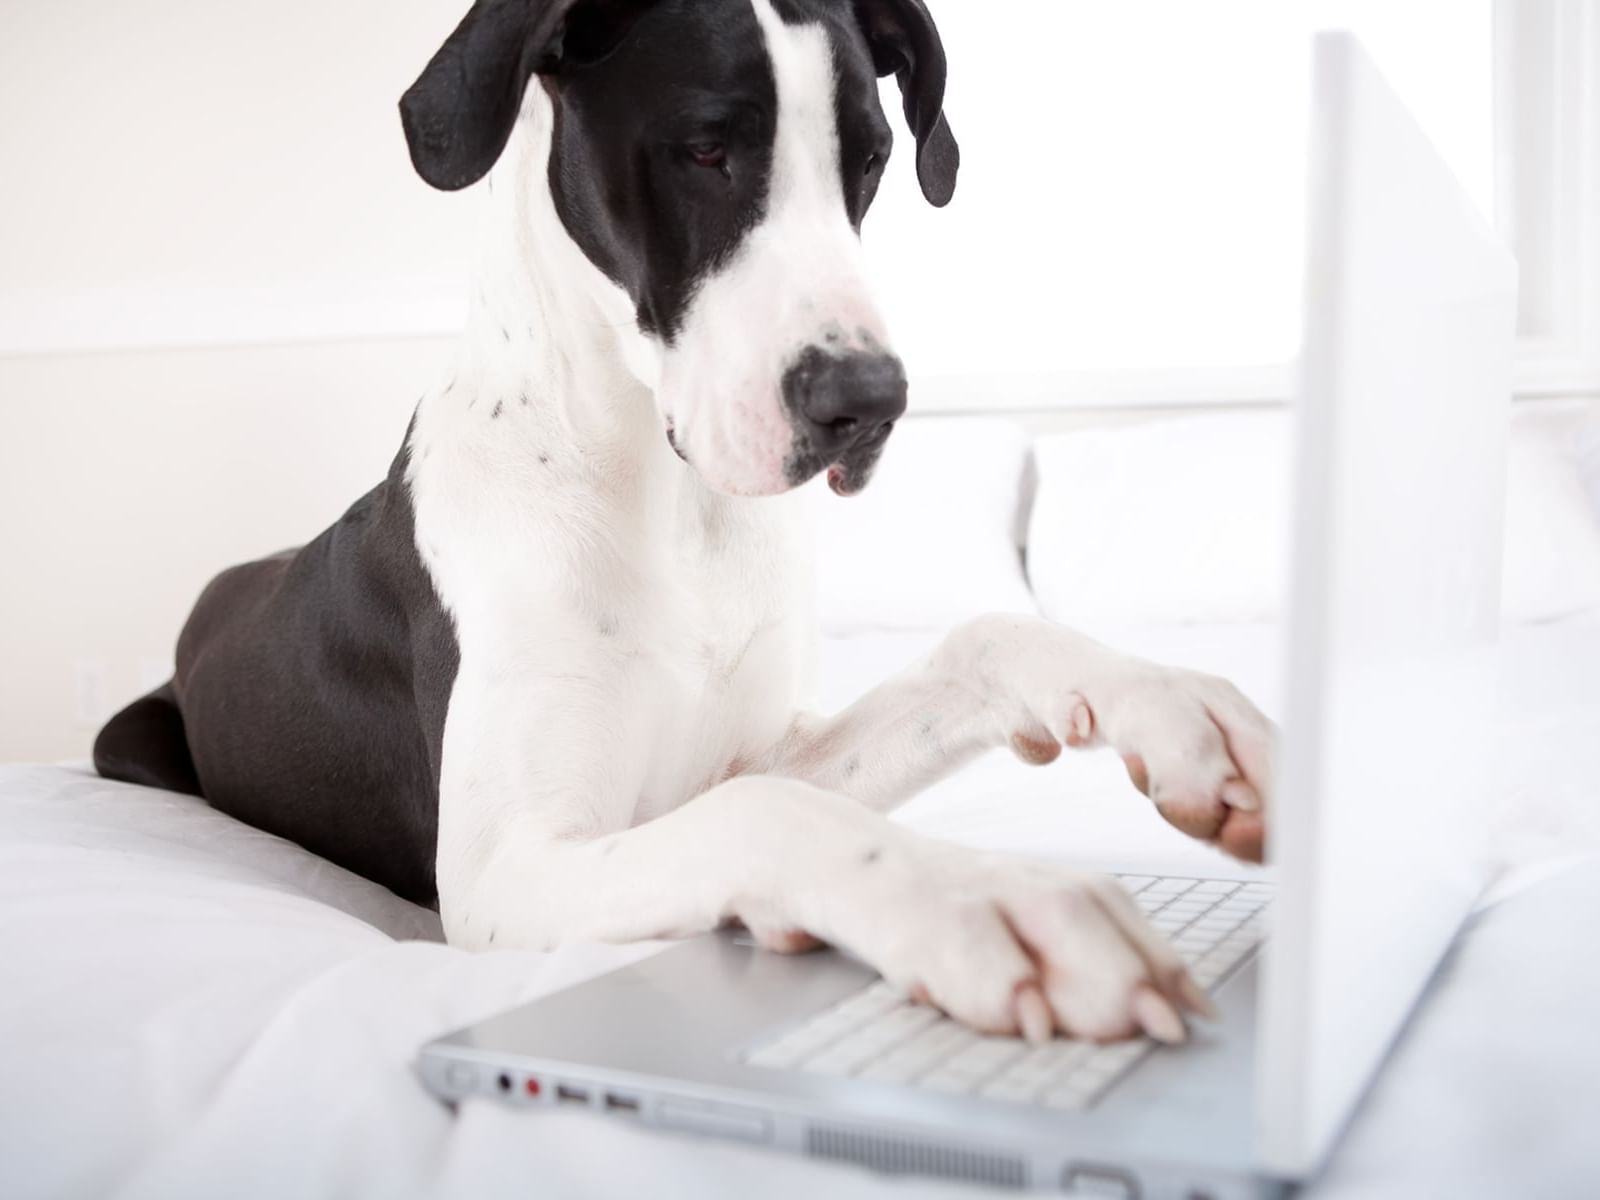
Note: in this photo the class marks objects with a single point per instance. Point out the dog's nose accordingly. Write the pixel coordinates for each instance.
(841, 401)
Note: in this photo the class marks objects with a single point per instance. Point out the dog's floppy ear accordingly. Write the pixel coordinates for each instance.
(905, 44)
(459, 114)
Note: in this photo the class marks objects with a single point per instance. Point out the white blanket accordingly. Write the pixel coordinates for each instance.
(191, 1008)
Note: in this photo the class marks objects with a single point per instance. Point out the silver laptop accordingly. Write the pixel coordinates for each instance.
(1403, 407)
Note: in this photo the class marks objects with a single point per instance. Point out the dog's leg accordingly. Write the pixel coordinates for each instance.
(1003, 946)
(1192, 742)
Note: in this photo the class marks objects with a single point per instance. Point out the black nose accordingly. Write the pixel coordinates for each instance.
(843, 401)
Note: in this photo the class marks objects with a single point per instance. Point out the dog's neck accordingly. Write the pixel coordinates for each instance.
(544, 322)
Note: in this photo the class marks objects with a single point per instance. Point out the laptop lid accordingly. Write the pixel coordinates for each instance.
(1394, 593)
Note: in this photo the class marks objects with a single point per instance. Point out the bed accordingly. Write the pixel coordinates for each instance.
(190, 1007)
(194, 1008)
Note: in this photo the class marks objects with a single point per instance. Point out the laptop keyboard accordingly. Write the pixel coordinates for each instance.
(879, 1035)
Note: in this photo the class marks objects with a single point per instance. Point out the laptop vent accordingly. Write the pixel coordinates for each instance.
(903, 1156)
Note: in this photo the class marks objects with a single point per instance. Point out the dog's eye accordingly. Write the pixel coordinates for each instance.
(874, 164)
(710, 155)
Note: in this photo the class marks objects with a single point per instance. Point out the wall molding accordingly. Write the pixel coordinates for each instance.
(109, 320)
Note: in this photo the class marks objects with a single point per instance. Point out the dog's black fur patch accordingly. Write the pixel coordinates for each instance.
(310, 698)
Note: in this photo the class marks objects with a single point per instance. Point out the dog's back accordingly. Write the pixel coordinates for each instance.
(310, 698)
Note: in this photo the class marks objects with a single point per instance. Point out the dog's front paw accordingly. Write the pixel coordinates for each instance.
(1011, 947)
(1197, 747)
(1192, 742)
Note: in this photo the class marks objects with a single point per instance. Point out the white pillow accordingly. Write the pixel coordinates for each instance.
(1552, 554)
(1186, 521)
(1586, 450)
(1164, 522)
(934, 540)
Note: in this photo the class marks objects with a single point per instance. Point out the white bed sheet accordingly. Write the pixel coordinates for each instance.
(191, 1008)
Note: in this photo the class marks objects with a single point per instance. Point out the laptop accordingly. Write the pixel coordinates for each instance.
(1393, 612)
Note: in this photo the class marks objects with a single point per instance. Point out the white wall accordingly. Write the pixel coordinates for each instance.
(220, 171)
(128, 480)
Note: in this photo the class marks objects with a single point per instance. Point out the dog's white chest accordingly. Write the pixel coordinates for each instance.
(727, 657)
(664, 634)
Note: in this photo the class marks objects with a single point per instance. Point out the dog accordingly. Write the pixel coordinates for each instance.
(551, 673)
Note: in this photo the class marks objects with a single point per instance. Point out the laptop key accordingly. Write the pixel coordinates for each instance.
(889, 1071)
(989, 1053)
(779, 1056)
(1035, 1075)
(1170, 885)
(879, 998)
(1014, 1090)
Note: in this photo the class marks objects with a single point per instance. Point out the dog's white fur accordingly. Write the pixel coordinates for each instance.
(627, 753)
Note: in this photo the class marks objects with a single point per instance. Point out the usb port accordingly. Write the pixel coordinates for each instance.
(621, 1104)
(566, 1093)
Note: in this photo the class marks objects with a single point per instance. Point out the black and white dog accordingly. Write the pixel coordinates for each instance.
(551, 671)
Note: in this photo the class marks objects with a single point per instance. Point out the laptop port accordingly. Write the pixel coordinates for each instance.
(621, 1104)
(566, 1093)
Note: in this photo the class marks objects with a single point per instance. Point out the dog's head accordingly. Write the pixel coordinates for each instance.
(715, 159)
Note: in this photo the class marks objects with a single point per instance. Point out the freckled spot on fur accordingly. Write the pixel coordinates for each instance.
(499, 407)
(607, 625)
(852, 767)
(925, 727)
(544, 460)
(492, 933)
(871, 856)
(523, 399)
(505, 333)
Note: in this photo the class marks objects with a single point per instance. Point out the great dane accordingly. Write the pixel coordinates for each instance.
(551, 673)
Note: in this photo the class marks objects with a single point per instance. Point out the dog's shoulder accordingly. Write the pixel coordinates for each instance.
(314, 687)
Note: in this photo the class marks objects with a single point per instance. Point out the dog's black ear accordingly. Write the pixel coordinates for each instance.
(459, 114)
(905, 43)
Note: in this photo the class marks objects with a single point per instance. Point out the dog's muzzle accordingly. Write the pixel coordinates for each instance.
(843, 409)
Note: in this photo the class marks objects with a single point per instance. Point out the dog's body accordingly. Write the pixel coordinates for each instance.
(555, 669)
